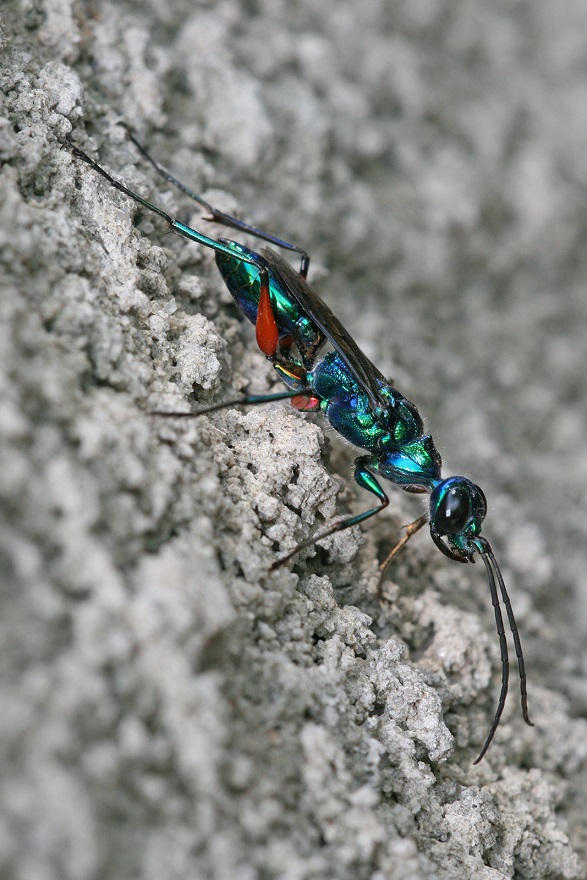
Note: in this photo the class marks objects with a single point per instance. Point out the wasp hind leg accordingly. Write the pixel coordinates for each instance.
(219, 216)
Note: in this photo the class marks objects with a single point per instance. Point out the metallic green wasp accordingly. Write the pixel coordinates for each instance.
(292, 326)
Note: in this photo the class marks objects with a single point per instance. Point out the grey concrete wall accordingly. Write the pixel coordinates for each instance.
(169, 708)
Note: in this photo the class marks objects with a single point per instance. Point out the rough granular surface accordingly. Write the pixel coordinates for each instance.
(170, 708)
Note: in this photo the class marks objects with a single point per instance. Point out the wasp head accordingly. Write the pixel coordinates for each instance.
(457, 509)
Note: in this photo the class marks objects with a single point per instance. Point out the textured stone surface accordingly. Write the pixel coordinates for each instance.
(168, 707)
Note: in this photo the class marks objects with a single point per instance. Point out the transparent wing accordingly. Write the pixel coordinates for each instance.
(366, 374)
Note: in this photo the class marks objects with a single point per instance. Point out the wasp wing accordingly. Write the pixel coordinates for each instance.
(366, 374)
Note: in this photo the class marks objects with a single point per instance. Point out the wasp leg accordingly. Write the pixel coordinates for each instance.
(366, 480)
(245, 400)
(219, 216)
(411, 529)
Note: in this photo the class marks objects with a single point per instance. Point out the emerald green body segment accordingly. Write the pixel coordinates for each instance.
(405, 455)
(242, 280)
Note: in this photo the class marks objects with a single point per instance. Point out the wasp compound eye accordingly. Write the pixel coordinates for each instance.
(453, 512)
